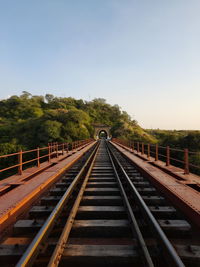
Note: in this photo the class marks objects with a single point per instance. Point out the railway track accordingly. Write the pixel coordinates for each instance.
(102, 212)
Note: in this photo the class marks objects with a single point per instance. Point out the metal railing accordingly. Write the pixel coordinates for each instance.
(171, 156)
(38, 155)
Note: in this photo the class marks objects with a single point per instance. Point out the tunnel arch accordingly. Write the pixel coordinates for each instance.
(102, 134)
(100, 129)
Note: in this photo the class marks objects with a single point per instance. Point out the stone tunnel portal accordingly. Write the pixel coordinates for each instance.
(102, 131)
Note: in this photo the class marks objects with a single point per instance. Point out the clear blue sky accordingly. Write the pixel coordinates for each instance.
(142, 55)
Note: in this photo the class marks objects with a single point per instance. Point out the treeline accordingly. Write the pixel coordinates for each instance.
(28, 121)
(178, 138)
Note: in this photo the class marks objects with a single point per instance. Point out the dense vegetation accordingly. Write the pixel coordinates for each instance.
(29, 121)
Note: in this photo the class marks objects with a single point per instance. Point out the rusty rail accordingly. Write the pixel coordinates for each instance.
(53, 149)
(34, 247)
(162, 153)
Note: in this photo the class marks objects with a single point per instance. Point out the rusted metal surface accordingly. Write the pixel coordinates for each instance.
(34, 248)
(167, 156)
(186, 162)
(51, 150)
(148, 215)
(116, 216)
(181, 157)
(24, 192)
(100, 220)
(58, 251)
(136, 229)
(177, 189)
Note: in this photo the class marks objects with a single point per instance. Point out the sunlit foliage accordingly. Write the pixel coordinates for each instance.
(29, 121)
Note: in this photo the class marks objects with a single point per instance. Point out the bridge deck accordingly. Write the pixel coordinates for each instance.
(102, 210)
(183, 190)
(18, 191)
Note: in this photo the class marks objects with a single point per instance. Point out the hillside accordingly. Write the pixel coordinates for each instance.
(29, 121)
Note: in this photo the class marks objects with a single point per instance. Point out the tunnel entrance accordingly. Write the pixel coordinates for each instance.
(103, 135)
(101, 131)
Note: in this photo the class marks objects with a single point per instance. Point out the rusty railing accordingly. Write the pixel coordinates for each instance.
(178, 157)
(39, 155)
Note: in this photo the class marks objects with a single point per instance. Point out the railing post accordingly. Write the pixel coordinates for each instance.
(186, 161)
(148, 151)
(49, 153)
(56, 149)
(63, 147)
(20, 162)
(49, 147)
(67, 145)
(142, 148)
(156, 153)
(38, 157)
(167, 156)
(138, 147)
(133, 146)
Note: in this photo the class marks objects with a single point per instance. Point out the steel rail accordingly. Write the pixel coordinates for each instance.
(34, 247)
(173, 256)
(58, 251)
(135, 227)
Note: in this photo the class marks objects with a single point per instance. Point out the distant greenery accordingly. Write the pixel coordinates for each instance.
(180, 139)
(28, 121)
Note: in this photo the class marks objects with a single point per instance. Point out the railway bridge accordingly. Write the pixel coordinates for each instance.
(99, 203)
